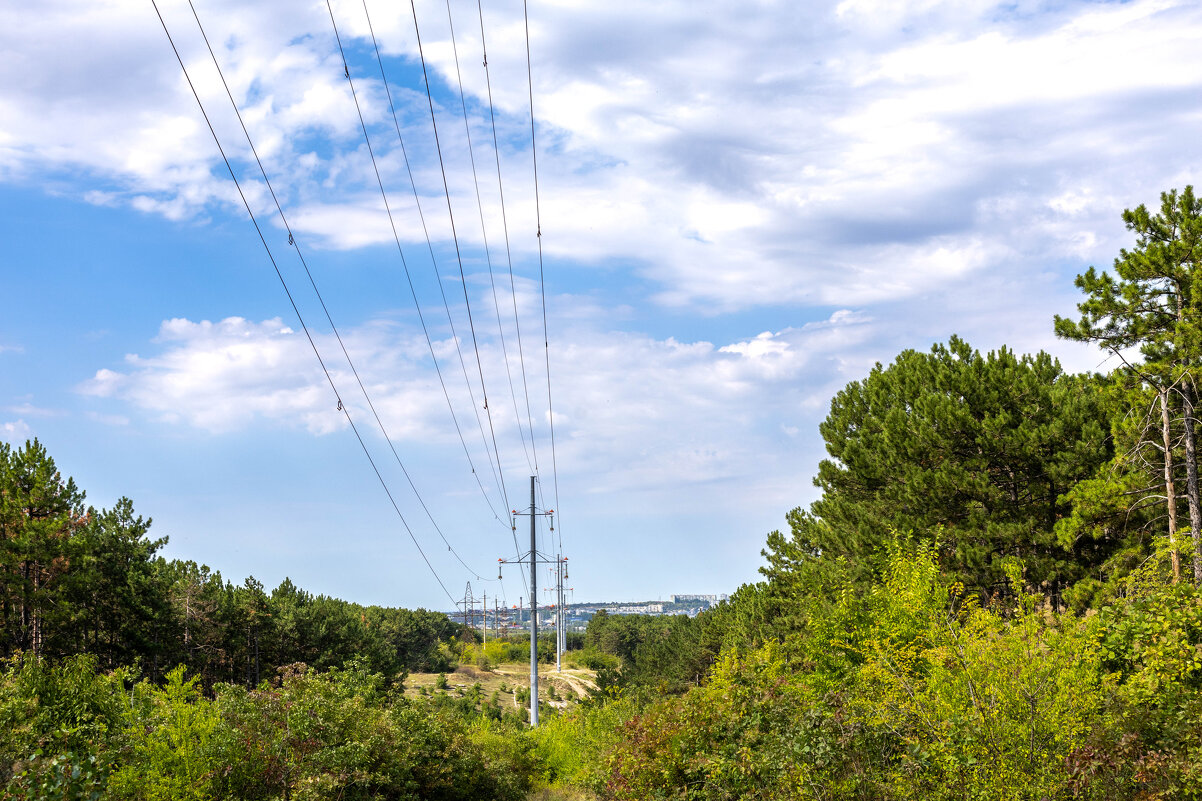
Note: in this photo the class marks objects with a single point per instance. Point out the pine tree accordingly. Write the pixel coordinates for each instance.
(974, 450)
(1150, 304)
(39, 512)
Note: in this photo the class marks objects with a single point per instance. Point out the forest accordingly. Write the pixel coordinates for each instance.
(995, 596)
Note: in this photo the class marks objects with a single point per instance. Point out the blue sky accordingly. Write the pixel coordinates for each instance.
(743, 205)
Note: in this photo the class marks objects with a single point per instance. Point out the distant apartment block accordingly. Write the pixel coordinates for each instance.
(712, 599)
(635, 609)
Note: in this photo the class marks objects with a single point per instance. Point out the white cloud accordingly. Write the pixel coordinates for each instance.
(743, 207)
(774, 154)
(671, 413)
(15, 431)
(222, 376)
(631, 411)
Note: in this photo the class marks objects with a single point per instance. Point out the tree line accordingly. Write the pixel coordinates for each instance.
(76, 579)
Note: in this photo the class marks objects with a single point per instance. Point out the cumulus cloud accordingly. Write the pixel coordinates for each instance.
(671, 413)
(631, 411)
(837, 154)
(222, 376)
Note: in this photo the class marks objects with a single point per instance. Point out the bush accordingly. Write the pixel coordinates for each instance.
(903, 691)
(64, 777)
(573, 747)
(55, 718)
(175, 744)
(58, 708)
(593, 659)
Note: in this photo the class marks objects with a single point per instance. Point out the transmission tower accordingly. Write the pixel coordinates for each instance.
(559, 572)
(533, 558)
(468, 604)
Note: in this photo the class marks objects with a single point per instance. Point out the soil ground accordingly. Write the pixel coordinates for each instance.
(560, 689)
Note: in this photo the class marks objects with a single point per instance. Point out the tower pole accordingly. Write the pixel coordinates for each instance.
(533, 614)
(558, 613)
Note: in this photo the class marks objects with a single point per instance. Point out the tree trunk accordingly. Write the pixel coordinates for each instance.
(1170, 486)
(26, 607)
(1191, 478)
(35, 618)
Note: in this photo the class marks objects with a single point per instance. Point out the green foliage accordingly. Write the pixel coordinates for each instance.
(81, 580)
(985, 703)
(58, 709)
(310, 735)
(909, 689)
(1021, 638)
(662, 653)
(511, 648)
(935, 698)
(979, 447)
(592, 659)
(573, 747)
(173, 747)
(1149, 304)
(62, 777)
(1153, 644)
(39, 513)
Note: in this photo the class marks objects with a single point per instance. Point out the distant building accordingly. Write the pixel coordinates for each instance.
(636, 609)
(710, 599)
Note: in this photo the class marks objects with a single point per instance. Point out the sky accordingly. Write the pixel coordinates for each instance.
(743, 207)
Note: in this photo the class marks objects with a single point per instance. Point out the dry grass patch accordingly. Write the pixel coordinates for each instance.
(570, 686)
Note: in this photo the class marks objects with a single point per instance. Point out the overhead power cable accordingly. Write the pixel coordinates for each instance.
(467, 131)
(517, 326)
(508, 250)
(455, 237)
(293, 240)
(416, 198)
(254, 221)
(400, 251)
(541, 282)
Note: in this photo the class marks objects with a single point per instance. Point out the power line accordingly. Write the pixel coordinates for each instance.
(484, 234)
(505, 225)
(421, 215)
(541, 281)
(508, 251)
(458, 255)
(408, 277)
(433, 260)
(292, 240)
(341, 406)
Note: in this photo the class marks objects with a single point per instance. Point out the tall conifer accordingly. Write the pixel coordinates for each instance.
(1151, 305)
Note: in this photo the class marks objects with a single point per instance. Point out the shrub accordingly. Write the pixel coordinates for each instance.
(174, 744)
